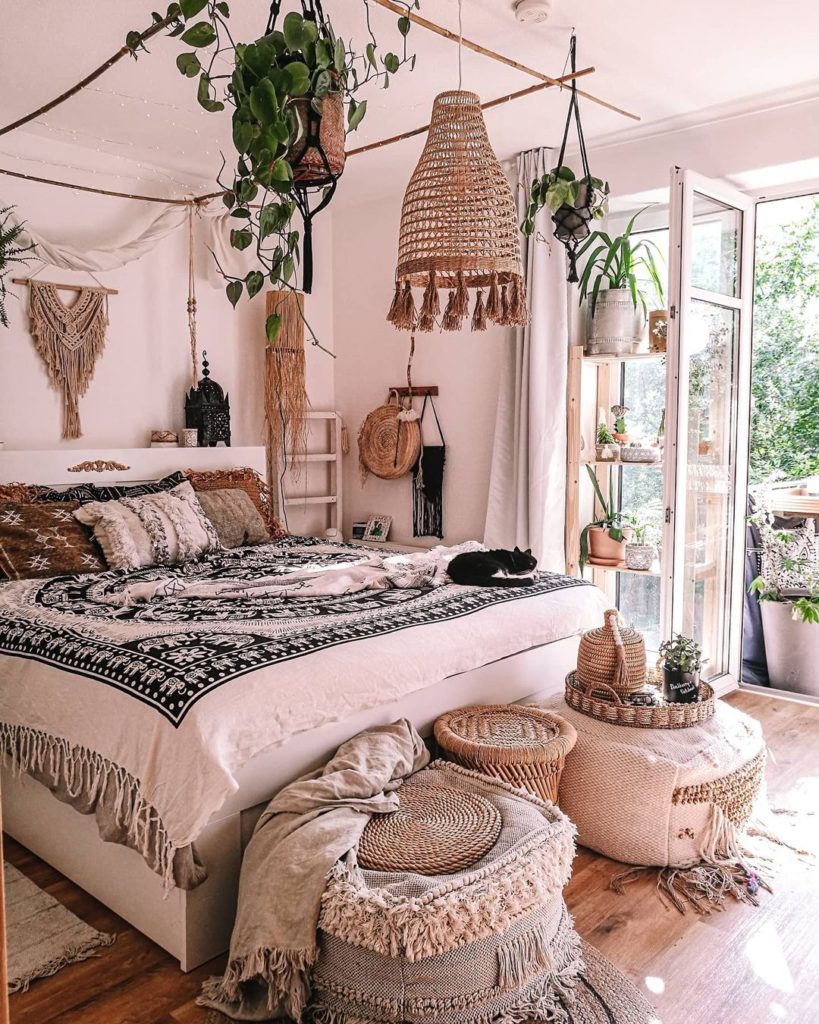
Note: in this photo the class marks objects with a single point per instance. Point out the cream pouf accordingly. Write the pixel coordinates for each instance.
(488, 941)
(678, 799)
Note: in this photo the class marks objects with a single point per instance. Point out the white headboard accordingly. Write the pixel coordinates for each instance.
(119, 465)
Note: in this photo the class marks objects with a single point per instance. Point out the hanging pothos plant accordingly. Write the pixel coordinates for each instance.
(288, 89)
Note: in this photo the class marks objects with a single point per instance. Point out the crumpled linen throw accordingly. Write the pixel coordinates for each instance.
(301, 835)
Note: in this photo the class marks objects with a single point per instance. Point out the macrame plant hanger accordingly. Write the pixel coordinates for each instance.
(572, 223)
(308, 182)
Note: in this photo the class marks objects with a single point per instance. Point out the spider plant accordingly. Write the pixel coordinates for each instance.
(620, 263)
(10, 252)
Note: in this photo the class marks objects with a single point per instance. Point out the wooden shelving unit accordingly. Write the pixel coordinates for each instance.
(330, 490)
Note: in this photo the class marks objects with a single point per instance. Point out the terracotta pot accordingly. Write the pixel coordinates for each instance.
(621, 438)
(603, 548)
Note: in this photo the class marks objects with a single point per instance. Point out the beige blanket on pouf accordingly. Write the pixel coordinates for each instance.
(301, 835)
(682, 800)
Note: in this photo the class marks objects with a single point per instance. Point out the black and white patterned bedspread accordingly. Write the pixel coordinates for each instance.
(171, 652)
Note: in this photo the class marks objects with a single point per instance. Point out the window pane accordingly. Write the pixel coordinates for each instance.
(715, 247)
(712, 339)
(639, 604)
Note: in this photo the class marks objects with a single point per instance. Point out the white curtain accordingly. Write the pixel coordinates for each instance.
(527, 484)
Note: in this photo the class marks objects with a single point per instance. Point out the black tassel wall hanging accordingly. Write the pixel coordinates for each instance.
(428, 484)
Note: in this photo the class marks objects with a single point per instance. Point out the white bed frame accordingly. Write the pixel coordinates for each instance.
(195, 926)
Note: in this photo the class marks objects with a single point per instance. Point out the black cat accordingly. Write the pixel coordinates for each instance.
(493, 568)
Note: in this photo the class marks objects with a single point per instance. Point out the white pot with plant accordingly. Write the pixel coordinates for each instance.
(606, 449)
(641, 553)
(787, 589)
(618, 311)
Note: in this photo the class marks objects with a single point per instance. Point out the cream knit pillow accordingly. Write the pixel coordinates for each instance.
(155, 529)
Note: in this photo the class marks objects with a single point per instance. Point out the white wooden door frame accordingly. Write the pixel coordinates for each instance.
(684, 185)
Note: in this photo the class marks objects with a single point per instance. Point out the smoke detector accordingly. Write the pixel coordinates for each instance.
(533, 12)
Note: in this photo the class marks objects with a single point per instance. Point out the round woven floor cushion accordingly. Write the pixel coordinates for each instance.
(492, 940)
(661, 797)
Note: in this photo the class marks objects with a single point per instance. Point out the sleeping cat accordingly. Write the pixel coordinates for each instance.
(493, 568)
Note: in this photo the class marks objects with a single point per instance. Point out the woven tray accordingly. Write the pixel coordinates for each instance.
(522, 745)
(659, 716)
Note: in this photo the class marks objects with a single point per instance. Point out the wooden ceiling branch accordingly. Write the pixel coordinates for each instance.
(453, 37)
(508, 98)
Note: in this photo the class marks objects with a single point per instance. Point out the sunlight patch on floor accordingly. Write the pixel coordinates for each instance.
(767, 957)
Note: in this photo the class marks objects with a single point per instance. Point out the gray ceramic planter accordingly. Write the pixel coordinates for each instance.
(792, 649)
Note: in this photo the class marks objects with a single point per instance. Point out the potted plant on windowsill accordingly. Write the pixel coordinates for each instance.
(641, 553)
(619, 310)
(606, 449)
(788, 591)
(621, 434)
(682, 660)
(603, 542)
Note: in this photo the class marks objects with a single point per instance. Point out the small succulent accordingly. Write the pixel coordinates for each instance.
(604, 435)
(681, 653)
(619, 413)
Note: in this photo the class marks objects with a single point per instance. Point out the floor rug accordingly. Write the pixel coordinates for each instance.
(42, 936)
(604, 995)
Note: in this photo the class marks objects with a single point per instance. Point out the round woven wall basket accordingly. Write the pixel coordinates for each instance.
(388, 447)
(309, 168)
(598, 661)
(522, 745)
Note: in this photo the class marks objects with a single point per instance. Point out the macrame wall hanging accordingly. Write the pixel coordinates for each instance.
(285, 393)
(459, 227)
(70, 340)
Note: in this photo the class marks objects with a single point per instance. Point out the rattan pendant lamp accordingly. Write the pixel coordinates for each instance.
(459, 228)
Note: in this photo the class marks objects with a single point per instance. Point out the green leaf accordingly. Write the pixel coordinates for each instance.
(324, 53)
(234, 292)
(370, 52)
(241, 238)
(309, 32)
(293, 29)
(223, 9)
(356, 114)
(565, 173)
(200, 34)
(204, 97)
(242, 136)
(263, 102)
(299, 78)
(272, 327)
(190, 8)
(340, 55)
(392, 63)
(188, 64)
(404, 25)
(247, 191)
(254, 282)
(321, 84)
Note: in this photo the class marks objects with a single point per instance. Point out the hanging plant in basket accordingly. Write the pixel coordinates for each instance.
(288, 89)
(574, 201)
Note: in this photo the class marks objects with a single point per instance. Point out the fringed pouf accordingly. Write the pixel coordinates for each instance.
(681, 800)
(476, 932)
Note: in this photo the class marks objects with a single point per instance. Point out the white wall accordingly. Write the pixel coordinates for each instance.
(372, 355)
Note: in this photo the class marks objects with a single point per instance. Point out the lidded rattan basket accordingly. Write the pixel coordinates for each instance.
(613, 655)
(520, 744)
(388, 442)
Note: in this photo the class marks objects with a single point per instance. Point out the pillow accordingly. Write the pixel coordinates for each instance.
(20, 493)
(114, 492)
(236, 518)
(247, 480)
(152, 529)
(80, 493)
(39, 540)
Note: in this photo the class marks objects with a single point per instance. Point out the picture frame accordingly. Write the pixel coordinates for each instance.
(378, 529)
(358, 531)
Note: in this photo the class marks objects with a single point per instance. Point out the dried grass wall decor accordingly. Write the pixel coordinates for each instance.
(459, 228)
(285, 394)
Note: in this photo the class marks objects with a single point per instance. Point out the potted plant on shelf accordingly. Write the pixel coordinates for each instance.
(603, 542)
(657, 330)
(682, 660)
(641, 553)
(606, 449)
(618, 312)
(788, 591)
(621, 435)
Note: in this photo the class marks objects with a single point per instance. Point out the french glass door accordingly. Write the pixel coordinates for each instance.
(708, 395)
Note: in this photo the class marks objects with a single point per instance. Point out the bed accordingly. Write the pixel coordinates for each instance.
(188, 708)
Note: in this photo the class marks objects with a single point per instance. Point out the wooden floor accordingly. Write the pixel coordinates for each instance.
(743, 966)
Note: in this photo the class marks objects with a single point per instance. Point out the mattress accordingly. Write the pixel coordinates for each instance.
(177, 693)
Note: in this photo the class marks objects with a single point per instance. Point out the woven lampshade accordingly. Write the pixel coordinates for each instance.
(459, 228)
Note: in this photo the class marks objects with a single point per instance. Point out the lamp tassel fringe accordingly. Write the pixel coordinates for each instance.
(504, 305)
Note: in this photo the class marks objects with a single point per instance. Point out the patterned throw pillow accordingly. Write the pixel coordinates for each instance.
(113, 492)
(245, 479)
(39, 540)
(152, 529)
(236, 518)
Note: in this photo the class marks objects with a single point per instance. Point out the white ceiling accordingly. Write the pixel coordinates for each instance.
(661, 59)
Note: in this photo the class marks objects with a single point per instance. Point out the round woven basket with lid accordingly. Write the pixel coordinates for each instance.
(522, 745)
(388, 444)
(612, 656)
